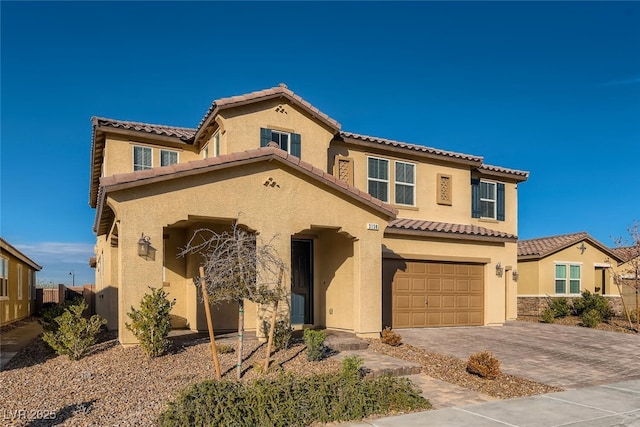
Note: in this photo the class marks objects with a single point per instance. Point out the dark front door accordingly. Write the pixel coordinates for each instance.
(301, 281)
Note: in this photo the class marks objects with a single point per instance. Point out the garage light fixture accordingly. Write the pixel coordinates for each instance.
(144, 244)
(499, 269)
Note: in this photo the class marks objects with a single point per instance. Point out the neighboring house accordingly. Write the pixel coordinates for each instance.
(17, 284)
(629, 274)
(564, 266)
(375, 232)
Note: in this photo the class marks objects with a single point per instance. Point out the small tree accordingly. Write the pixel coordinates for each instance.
(237, 267)
(75, 334)
(152, 322)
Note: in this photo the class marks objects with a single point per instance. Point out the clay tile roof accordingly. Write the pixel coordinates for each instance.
(412, 147)
(489, 169)
(627, 253)
(183, 134)
(132, 179)
(455, 230)
(543, 246)
(280, 91)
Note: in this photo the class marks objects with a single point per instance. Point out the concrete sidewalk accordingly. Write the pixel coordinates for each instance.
(610, 405)
(17, 338)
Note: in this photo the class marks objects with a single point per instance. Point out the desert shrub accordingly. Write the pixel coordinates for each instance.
(389, 337)
(589, 301)
(560, 306)
(151, 323)
(548, 315)
(75, 334)
(634, 314)
(484, 365)
(52, 310)
(314, 340)
(281, 334)
(290, 400)
(591, 318)
(224, 348)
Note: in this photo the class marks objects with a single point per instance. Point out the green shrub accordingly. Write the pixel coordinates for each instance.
(75, 334)
(224, 348)
(560, 306)
(484, 365)
(548, 315)
(591, 318)
(389, 337)
(281, 334)
(51, 310)
(290, 400)
(314, 340)
(152, 322)
(589, 301)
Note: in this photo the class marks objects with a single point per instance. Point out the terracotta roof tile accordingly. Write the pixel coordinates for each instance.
(543, 246)
(413, 147)
(183, 134)
(504, 171)
(447, 228)
(627, 253)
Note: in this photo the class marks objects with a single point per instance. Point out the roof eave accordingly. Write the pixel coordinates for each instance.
(517, 177)
(448, 235)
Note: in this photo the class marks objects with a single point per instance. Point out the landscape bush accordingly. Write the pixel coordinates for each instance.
(634, 314)
(484, 365)
(52, 310)
(591, 318)
(390, 337)
(224, 348)
(75, 334)
(548, 315)
(281, 334)
(560, 307)
(589, 301)
(290, 400)
(314, 340)
(151, 323)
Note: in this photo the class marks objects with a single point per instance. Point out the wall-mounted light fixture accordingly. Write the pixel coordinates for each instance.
(499, 269)
(144, 244)
(515, 275)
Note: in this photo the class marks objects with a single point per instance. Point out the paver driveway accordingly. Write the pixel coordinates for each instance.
(562, 356)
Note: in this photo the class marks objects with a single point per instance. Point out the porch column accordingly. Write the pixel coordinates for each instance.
(367, 283)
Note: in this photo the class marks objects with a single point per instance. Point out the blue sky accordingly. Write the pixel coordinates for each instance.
(553, 88)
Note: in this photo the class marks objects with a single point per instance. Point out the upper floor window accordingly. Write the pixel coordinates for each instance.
(168, 157)
(289, 142)
(216, 144)
(405, 183)
(4, 277)
(487, 199)
(378, 178)
(142, 158)
(574, 274)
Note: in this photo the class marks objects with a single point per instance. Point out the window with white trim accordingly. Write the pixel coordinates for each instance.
(31, 284)
(378, 178)
(405, 183)
(570, 274)
(142, 158)
(205, 152)
(216, 144)
(168, 157)
(20, 284)
(4, 277)
(488, 199)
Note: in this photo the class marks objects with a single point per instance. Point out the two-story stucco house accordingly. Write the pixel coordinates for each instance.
(375, 232)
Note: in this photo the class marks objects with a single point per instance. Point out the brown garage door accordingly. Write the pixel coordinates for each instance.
(437, 294)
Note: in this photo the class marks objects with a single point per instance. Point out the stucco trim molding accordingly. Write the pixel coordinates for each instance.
(428, 257)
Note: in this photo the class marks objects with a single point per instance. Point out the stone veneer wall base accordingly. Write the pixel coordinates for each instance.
(534, 306)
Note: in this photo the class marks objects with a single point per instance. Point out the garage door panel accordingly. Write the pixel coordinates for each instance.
(454, 292)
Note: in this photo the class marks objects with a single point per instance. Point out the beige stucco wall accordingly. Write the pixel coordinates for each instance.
(241, 129)
(537, 278)
(13, 308)
(118, 157)
(426, 206)
(282, 210)
(500, 298)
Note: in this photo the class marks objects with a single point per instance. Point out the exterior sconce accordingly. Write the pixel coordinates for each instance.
(515, 275)
(499, 269)
(144, 244)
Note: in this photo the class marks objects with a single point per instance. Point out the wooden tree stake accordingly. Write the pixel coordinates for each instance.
(272, 328)
(207, 310)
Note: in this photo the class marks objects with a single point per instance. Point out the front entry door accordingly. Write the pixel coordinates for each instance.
(301, 281)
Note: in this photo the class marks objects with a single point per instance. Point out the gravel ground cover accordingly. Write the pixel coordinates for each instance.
(616, 324)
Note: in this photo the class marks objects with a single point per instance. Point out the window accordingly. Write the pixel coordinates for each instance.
(20, 284)
(405, 183)
(487, 199)
(574, 271)
(168, 158)
(205, 152)
(216, 144)
(378, 178)
(4, 277)
(141, 158)
(289, 142)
